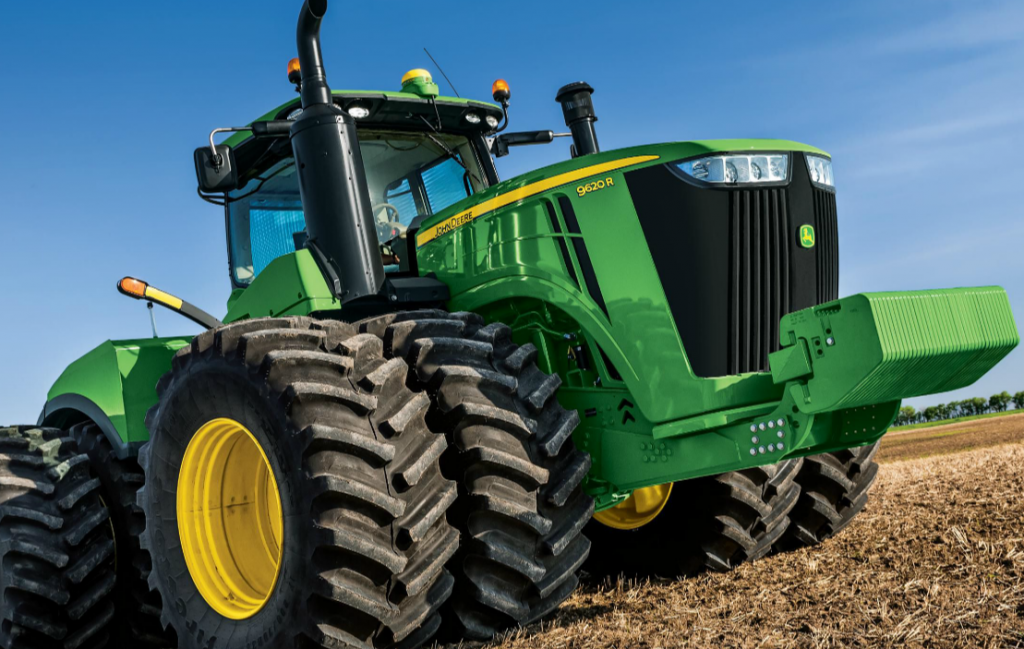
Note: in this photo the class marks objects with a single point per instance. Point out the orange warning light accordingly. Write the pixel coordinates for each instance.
(500, 91)
(132, 287)
(294, 72)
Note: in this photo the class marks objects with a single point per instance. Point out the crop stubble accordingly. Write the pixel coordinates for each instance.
(936, 560)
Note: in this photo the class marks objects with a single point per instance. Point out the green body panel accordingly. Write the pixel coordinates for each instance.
(119, 377)
(513, 254)
(290, 285)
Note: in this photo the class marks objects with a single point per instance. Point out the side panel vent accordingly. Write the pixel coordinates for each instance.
(589, 276)
(557, 229)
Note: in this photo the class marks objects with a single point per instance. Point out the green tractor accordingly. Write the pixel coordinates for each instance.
(435, 396)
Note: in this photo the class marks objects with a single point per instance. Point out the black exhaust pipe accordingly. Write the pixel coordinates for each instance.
(332, 183)
(578, 109)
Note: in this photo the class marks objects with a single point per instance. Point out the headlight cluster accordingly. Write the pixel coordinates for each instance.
(820, 169)
(735, 169)
(473, 118)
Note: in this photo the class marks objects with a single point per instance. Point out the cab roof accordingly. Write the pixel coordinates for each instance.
(400, 110)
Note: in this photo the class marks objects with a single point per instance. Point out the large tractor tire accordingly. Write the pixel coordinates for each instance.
(834, 489)
(293, 493)
(138, 608)
(56, 546)
(716, 523)
(521, 509)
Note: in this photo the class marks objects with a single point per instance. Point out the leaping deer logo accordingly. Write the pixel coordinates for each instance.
(807, 236)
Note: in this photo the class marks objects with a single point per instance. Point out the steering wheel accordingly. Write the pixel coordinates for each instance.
(386, 219)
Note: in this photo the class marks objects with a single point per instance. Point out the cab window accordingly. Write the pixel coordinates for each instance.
(409, 175)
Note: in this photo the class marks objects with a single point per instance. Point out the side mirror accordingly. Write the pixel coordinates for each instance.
(215, 169)
(500, 144)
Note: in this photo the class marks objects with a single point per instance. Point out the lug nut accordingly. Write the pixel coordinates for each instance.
(754, 439)
(780, 446)
(780, 434)
(830, 341)
(781, 423)
(753, 428)
(771, 448)
(761, 426)
(771, 424)
(760, 450)
(753, 451)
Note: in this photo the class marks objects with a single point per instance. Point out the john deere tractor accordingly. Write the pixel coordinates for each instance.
(436, 396)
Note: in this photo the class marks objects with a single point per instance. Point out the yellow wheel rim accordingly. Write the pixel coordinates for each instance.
(642, 507)
(230, 519)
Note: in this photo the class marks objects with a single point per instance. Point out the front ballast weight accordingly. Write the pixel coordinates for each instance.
(843, 369)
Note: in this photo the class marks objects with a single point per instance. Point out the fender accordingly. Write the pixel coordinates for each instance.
(627, 348)
(113, 386)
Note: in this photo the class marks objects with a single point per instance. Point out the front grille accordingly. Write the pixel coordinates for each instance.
(827, 245)
(758, 276)
(731, 263)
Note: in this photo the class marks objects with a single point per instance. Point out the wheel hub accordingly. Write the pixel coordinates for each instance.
(229, 518)
(642, 507)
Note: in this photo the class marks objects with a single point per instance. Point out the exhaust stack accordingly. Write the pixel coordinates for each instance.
(578, 109)
(332, 183)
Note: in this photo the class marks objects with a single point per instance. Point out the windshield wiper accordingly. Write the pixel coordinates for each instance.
(444, 147)
(448, 151)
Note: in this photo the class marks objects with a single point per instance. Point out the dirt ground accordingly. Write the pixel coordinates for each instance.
(936, 560)
(952, 438)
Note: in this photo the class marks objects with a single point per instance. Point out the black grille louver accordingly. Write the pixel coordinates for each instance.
(759, 268)
(827, 244)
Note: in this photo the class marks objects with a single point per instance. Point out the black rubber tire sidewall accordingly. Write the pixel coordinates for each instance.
(132, 597)
(231, 395)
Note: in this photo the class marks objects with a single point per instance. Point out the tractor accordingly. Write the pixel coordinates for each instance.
(436, 397)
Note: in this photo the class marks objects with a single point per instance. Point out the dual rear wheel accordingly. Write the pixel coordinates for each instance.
(294, 491)
(57, 552)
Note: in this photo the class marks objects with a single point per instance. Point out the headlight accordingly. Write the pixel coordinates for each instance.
(820, 169)
(358, 112)
(472, 118)
(736, 169)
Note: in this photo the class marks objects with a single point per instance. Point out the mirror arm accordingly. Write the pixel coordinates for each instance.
(269, 128)
(215, 157)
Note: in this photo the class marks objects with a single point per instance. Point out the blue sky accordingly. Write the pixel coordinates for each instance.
(920, 103)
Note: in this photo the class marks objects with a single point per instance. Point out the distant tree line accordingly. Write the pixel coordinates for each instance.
(967, 408)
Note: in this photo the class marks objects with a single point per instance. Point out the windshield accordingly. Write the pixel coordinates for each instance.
(408, 174)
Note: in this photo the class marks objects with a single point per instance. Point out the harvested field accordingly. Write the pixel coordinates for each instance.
(952, 438)
(936, 560)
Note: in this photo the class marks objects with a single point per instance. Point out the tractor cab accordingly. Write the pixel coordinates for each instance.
(420, 153)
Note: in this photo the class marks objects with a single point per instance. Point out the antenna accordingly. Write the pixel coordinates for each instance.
(441, 70)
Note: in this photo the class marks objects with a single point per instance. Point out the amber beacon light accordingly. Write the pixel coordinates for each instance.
(295, 73)
(500, 91)
(140, 290)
